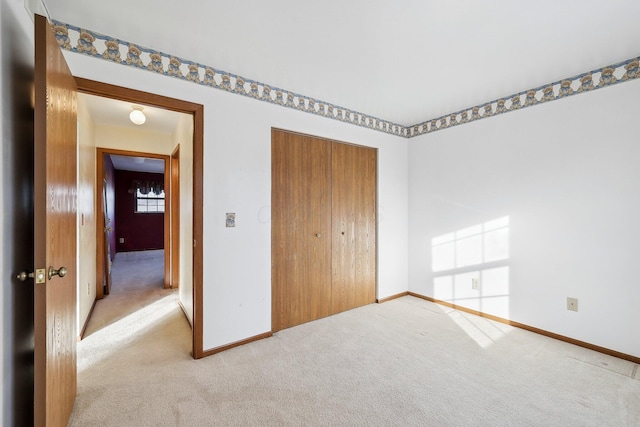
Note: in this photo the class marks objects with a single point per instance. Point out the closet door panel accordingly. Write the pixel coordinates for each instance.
(366, 227)
(353, 189)
(301, 229)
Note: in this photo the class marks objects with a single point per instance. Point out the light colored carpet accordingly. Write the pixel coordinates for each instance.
(137, 280)
(406, 362)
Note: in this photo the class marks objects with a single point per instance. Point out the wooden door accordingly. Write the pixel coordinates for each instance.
(108, 229)
(353, 187)
(301, 229)
(175, 218)
(323, 227)
(54, 231)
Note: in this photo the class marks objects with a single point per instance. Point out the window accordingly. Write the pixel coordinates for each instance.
(150, 202)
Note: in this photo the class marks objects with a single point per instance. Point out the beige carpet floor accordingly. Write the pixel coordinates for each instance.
(137, 281)
(406, 362)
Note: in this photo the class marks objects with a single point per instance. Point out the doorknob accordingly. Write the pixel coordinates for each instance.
(23, 276)
(61, 272)
(39, 275)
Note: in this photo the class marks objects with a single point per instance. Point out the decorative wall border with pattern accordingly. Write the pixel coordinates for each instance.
(94, 44)
(90, 43)
(585, 82)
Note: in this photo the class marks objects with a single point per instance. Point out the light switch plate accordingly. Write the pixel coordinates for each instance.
(231, 219)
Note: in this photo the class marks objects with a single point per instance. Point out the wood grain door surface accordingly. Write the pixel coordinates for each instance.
(301, 229)
(353, 183)
(54, 231)
(323, 227)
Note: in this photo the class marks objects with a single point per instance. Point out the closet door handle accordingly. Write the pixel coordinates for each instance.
(318, 235)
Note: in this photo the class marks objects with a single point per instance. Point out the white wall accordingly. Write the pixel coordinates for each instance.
(183, 135)
(86, 222)
(566, 174)
(133, 139)
(237, 178)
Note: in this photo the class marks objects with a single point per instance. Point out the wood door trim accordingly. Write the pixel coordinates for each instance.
(238, 343)
(392, 297)
(175, 218)
(308, 135)
(167, 222)
(86, 322)
(198, 225)
(526, 327)
(121, 93)
(197, 111)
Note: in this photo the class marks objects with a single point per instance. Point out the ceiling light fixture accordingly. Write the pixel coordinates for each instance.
(137, 116)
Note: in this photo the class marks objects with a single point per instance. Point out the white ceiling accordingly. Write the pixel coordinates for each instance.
(112, 112)
(405, 61)
(137, 164)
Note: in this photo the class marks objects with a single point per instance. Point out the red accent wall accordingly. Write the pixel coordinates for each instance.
(141, 231)
(109, 186)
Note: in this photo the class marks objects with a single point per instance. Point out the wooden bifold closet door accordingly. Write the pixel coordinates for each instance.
(323, 227)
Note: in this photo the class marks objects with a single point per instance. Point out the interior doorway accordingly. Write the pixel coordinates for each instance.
(127, 227)
(192, 307)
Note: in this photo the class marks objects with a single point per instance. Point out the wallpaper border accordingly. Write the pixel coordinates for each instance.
(83, 41)
(585, 82)
(87, 42)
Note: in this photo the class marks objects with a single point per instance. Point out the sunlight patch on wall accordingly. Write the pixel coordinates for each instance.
(471, 270)
(474, 245)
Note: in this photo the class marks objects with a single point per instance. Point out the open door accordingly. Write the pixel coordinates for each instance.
(54, 232)
(107, 241)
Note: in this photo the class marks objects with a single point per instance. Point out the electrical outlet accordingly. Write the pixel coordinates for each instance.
(475, 283)
(122, 240)
(88, 288)
(572, 304)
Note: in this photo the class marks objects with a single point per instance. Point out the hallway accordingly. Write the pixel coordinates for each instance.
(140, 322)
(137, 282)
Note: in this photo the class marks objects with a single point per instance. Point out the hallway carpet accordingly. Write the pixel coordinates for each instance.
(137, 280)
(406, 362)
